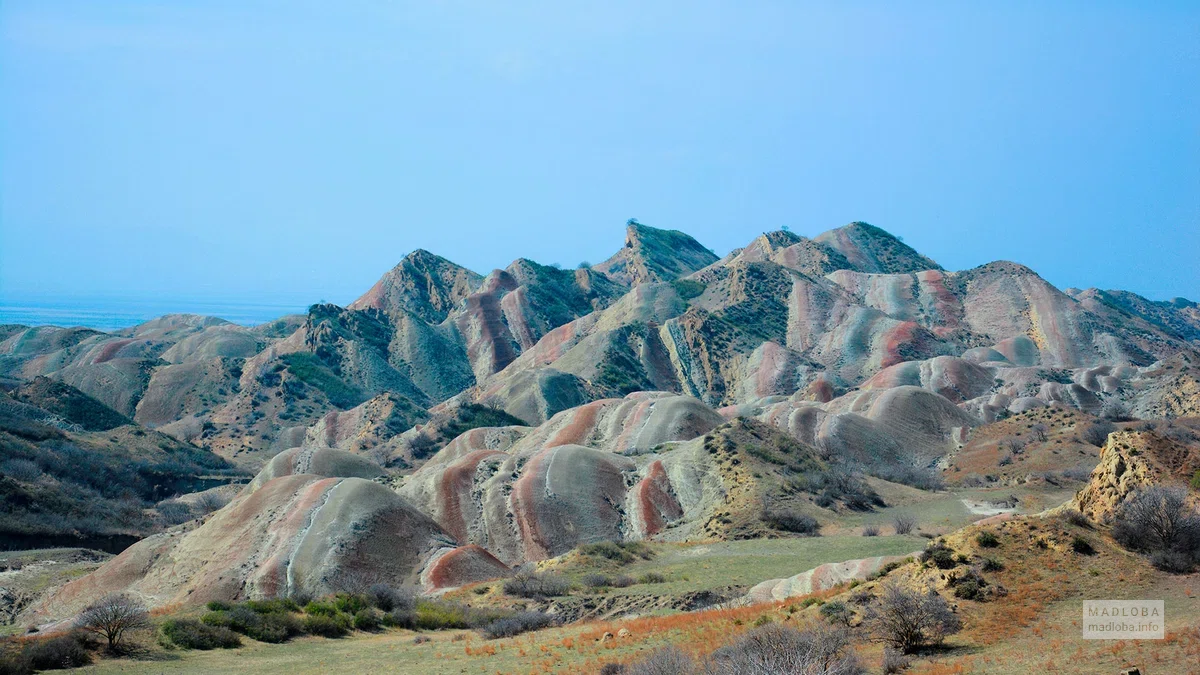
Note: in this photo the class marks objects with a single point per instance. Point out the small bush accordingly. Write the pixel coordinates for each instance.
(904, 523)
(968, 589)
(368, 619)
(57, 653)
(837, 612)
(522, 622)
(940, 556)
(651, 578)
(596, 580)
(400, 618)
(792, 521)
(1195, 483)
(321, 608)
(387, 598)
(613, 669)
(992, 565)
(273, 627)
(621, 552)
(536, 585)
(870, 530)
(1077, 519)
(273, 606)
(894, 661)
(192, 634)
(440, 616)
(327, 626)
(351, 603)
(1082, 546)
(987, 540)
(219, 606)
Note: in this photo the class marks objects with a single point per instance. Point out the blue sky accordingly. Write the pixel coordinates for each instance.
(292, 151)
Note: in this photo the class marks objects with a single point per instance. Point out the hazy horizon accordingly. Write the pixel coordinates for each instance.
(243, 154)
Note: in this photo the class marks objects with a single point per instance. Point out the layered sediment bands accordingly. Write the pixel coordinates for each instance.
(463, 565)
(316, 461)
(819, 578)
(563, 483)
(295, 533)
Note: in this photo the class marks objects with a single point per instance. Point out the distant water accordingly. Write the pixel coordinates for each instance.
(110, 315)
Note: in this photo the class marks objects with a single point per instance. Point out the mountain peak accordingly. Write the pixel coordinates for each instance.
(424, 284)
(652, 254)
(873, 249)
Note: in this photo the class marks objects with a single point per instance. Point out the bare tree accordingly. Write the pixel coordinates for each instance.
(112, 617)
(909, 620)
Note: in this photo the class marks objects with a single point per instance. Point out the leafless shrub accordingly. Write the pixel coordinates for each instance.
(112, 618)
(1013, 445)
(910, 620)
(1115, 410)
(1077, 519)
(894, 661)
(388, 598)
(666, 661)
(790, 520)
(527, 584)
(1097, 432)
(821, 650)
(904, 523)
(1040, 432)
(870, 530)
(210, 501)
(23, 470)
(174, 512)
(1159, 521)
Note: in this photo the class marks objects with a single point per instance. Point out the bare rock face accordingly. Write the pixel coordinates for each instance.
(1129, 461)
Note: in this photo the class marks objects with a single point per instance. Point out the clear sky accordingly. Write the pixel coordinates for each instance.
(294, 151)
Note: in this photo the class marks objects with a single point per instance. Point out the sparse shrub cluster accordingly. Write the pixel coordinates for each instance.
(194, 634)
(939, 555)
(596, 580)
(791, 520)
(769, 648)
(72, 650)
(525, 584)
(624, 552)
(922, 478)
(521, 622)
(836, 485)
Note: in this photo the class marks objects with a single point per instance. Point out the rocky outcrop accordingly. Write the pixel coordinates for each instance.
(1129, 461)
